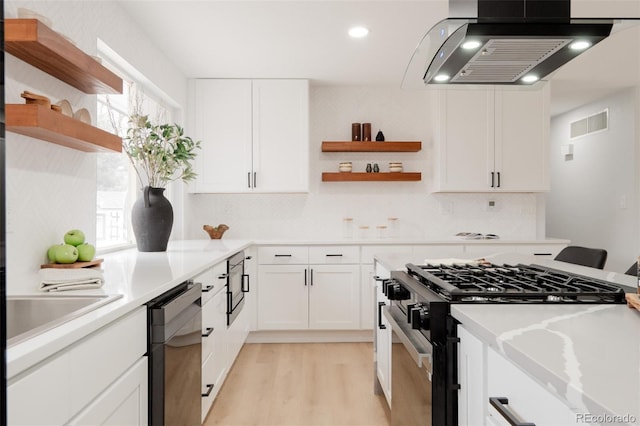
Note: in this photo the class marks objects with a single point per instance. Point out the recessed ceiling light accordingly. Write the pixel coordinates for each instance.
(358, 32)
(530, 78)
(580, 45)
(441, 77)
(471, 44)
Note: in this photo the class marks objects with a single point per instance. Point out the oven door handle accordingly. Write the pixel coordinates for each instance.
(245, 281)
(501, 404)
(420, 351)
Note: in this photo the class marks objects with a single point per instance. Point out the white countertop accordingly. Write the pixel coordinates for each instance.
(407, 241)
(139, 277)
(588, 355)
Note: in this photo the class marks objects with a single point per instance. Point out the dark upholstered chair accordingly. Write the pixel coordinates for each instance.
(594, 258)
(633, 270)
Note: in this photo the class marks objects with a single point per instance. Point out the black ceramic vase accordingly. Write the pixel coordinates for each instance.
(152, 220)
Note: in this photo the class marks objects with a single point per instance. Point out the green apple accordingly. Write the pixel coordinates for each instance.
(51, 253)
(86, 252)
(75, 237)
(66, 253)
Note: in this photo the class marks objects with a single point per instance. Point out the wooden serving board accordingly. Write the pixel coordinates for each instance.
(633, 300)
(76, 265)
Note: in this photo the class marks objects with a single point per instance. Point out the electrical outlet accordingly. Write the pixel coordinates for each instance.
(491, 205)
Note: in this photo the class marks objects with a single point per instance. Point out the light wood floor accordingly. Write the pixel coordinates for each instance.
(300, 384)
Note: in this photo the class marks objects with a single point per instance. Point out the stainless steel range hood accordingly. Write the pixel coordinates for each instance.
(504, 42)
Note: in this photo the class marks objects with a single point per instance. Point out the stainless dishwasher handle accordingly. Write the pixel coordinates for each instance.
(420, 352)
(501, 404)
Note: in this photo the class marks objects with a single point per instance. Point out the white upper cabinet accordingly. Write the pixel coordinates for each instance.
(493, 139)
(254, 133)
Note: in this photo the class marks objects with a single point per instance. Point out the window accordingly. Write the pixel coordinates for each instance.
(117, 185)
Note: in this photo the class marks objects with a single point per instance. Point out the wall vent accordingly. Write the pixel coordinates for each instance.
(591, 124)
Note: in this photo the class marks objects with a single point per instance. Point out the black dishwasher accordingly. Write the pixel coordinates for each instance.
(175, 356)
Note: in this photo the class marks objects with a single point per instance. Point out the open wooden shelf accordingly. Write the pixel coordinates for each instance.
(371, 177)
(43, 123)
(386, 146)
(35, 43)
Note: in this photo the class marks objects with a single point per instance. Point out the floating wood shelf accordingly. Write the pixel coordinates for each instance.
(35, 43)
(370, 177)
(387, 146)
(43, 123)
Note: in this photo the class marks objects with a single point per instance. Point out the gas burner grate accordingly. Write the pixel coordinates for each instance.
(513, 284)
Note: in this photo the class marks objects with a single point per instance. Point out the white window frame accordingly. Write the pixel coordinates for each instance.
(162, 106)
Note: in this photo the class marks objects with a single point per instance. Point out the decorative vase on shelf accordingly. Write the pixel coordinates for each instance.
(380, 136)
(152, 220)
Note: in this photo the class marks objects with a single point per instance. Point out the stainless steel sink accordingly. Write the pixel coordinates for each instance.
(28, 316)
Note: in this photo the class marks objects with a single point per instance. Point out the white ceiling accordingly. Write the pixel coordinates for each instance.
(308, 39)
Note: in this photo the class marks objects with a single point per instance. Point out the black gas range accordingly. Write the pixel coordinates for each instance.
(419, 311)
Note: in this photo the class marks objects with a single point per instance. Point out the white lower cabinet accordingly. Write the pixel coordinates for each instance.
(334, 297)
(522, 396)
(484, 374)
(214, 348)
(99, 377)
(220, 343)
(308, 288)
(383, 348)
(282, 297)
(123, 403)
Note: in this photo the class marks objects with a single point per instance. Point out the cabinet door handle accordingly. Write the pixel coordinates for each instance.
(334, 255)
(207, 332)
(222, 276)
(311, 276)
(282, 255)
(207, 289)
(208, 391)
(493, 175)
(243, 281)
(501, 405)
(498, 179)
(248, 179)
(381, 326)
(305, 277)
(255, 179)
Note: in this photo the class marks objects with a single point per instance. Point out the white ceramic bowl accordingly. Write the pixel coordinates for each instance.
(65, 107)
(82, 115)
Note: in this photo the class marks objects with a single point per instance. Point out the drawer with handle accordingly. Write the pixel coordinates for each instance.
(334, 254)
(283, 255)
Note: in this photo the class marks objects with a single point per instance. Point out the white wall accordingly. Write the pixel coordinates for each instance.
(401, 115)
(51, 189)
(588, 193)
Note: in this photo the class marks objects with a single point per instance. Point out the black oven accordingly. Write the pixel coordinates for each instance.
(424, 384)
(237, 285)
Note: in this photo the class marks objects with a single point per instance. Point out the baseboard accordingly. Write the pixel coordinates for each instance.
(310, 336)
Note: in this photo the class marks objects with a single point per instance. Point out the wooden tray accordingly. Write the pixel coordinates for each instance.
(633, 300)
(76, 265)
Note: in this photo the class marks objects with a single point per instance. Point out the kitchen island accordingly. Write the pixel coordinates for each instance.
(557, 364)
